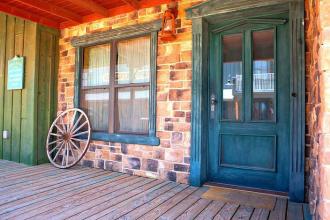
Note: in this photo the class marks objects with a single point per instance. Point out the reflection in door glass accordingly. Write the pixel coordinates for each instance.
(232, 77)
(263, 76)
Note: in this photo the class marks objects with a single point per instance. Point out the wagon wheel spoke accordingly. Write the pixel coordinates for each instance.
(79, 140)
(77, 122)
(67, 154)
(58, 128)
(63, 125)
(81, 133)
(75, 146)
(57, 146)
(72, 121)
(72, 151)
(58, 152)
(58, 140)
(81, 126)
(57, 135)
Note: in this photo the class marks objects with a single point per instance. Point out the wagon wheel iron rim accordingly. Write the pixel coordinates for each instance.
(68, 138)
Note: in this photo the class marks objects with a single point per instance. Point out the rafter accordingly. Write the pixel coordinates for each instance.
(27, 15)
(133, 3)
(52, 9)
(93, 6)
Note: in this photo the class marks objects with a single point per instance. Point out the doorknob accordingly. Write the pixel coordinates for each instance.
(213, 102)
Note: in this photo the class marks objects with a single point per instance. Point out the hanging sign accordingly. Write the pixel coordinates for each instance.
(15, 73)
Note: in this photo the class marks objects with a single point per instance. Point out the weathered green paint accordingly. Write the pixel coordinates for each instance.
(45, 105)
(246, 152)
(17, 96)
(3, 33)
(8, 95)
(19, 112)
(28, 136)
(214, 11)
(199, 115)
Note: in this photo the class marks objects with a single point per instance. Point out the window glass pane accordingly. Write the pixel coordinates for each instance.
(132, 107)
(96, 66)
(263, 76)
(232, 77)
(95, 102)
(133, 61)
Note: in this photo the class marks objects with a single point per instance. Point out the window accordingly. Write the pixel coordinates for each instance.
(116, 88)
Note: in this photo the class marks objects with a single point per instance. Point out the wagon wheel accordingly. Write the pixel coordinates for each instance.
(68, 138)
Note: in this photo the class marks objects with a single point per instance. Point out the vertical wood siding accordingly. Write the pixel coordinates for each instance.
(26, 113)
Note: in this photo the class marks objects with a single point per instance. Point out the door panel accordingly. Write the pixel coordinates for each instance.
(250, 124)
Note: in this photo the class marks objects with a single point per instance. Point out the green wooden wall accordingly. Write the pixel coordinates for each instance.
(27, 113)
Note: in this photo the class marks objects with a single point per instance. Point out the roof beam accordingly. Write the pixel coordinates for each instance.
(133, 3)
(92, 6)
(52, 9)
(28, 15)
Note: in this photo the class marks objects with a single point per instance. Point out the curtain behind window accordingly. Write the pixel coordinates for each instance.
(95, 86)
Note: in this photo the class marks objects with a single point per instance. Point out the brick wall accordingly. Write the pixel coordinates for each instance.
(318, 106)
(170, 160)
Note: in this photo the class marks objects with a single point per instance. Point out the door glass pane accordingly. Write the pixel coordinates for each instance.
(133, 62)
(232, 77)
(263, 76)
(132, 107)
(95, 102)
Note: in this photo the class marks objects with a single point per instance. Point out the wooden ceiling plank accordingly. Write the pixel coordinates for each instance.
(28, 16)
(133, 3)
(52, 9)
(117, 11)
(92, 6)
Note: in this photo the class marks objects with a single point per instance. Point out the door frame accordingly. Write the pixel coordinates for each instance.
(208, 13)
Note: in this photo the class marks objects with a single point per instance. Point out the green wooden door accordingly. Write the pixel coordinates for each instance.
(250, 104)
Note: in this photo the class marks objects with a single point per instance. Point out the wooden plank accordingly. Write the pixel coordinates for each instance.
(29, 96)
(91, 5)
(133, 3)
(227, 212)
(27, 15)
(295, 211)
(36, 180)
(138, 212)
(8, 94)
(98, 211)
(194, 210)
(243, 213)
(211, 210)
(17, 96)
(53, 9)
(137, 201)
(41, 202)
(3, 34)
(279, 212)
(260, 214)
(22, 172)
(163, 208)
(307, 213)
(96, 201)
(44, 96)
(12, 196)
(179, 208)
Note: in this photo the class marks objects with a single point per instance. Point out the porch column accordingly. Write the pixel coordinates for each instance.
(199, 118)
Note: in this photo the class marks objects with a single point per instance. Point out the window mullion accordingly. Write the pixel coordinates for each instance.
(113, 58)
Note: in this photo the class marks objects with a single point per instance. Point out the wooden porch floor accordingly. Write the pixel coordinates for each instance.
(45, 192)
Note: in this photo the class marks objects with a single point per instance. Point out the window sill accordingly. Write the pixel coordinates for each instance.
(126, 138)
